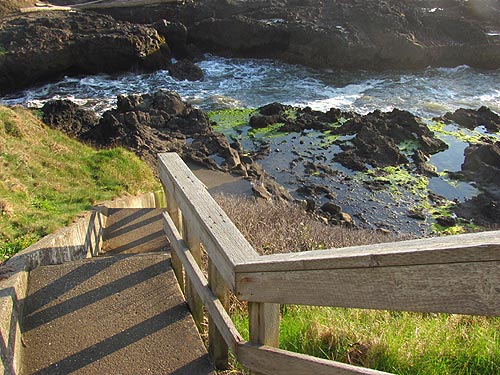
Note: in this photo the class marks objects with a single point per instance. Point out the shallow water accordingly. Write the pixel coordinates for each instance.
(231, 83)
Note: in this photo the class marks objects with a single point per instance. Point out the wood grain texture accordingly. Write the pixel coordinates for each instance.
(464, 288)
(271, 361)
(474, 247)
(194, 301)
(223, 242)
(214, 307)
(217, 347)
(264, 321)
(176, 216)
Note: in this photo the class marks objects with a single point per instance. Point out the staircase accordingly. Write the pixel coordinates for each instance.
(119, 313)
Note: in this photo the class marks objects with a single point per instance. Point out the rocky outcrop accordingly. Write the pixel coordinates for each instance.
(482, 164)
(41, 46)
(470, 118)
(68, 117)
(377, 136)
(185, 70)
(482, 210)
(352, 34)
(161, 122)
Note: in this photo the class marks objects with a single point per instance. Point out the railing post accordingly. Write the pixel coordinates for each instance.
(194, 301)
(176, 216)
(217, 347)
(264, 320)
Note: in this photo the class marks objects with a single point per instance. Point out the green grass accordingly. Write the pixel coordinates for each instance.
(47, 179)
(396, 342)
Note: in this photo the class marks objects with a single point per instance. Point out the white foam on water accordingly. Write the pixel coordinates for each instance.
(230, 83)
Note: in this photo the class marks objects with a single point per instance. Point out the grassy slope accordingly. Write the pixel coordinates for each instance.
(396, 342)
(47, 179)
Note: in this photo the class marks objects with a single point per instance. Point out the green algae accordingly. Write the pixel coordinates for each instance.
(270, 131)
(397, 178)
(408, 146)
(231, 122)
(461, 134)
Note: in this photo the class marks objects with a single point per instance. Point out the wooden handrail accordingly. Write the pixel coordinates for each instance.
(455, 274)
(224, 243)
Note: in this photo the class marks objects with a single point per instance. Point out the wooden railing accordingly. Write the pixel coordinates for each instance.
(454, 274)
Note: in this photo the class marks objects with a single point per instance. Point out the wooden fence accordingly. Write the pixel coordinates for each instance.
(454, 274)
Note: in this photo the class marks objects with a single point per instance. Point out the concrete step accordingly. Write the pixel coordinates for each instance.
(121, 314)
(134, 230)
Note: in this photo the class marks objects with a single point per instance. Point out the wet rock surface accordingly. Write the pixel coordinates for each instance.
(185, 70)
(374, 170)
(482, 164)
(41, 46)
(482, 210)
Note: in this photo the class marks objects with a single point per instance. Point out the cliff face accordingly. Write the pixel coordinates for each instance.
(367, 34)
(40, 46)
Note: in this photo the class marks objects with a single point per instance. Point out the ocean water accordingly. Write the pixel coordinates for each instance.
(231, 83)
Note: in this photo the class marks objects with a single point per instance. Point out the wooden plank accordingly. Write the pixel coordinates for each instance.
(272, 361)
(192, 298)
(214, 307)
(474, 247)
(464, 288)
(217, 347)
(224, 243)
(264, 320)
(176, 216)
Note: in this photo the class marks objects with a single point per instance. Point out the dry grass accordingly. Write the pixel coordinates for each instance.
(281, 227)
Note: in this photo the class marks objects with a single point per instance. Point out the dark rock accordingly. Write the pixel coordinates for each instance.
(185, 70)
(273, 109)
(69, 117)
(417, 214)
(260, 191)
(446, 221)
(46, 45)
(313, 190)
(336, 215)
(241, 35)
(260, 121)
(470, 118)
(422, 164)
(310, 205)
(352, 34)
(148, 124)
(377, 136)
(483, 210)
(482, 164)
(331, 209)
(176, 34)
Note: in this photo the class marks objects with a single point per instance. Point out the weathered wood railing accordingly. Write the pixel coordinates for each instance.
(455, 274)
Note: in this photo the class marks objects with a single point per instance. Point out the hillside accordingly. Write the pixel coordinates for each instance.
(47, 178)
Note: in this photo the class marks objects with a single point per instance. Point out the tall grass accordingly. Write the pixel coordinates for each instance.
(398, 342)
(47, 179)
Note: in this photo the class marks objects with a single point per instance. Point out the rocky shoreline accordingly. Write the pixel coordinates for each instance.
(161, 122)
